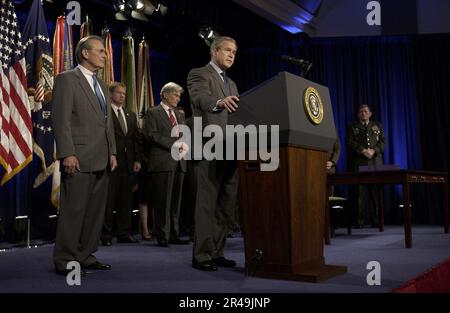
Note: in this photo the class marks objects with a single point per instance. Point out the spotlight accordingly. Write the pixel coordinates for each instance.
(161, 8)
(123, 9)
(139, 16)
(149, 8)
(120, 16)
(119, 5)
(137, 9)
(208, 34)
(137, 4)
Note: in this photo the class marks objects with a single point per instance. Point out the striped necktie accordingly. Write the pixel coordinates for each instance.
(173, 122)
(99, 94)
(172, 119)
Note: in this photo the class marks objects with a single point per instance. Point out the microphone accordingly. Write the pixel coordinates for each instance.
(295, 61)
(304, 65)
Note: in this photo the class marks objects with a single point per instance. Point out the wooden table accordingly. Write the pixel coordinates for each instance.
(403, 177)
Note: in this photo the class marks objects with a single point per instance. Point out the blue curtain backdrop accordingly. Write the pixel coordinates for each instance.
(404, 79)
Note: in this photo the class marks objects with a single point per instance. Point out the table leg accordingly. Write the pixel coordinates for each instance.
(381, 208)
(326, 232)
(407, 215)
(446, 222)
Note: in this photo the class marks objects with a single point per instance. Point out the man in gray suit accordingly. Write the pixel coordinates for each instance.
(86, 149)
(213, 96)
(166, 173)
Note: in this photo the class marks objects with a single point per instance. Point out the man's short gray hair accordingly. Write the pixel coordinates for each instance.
(84, 43)
(217, 42)
(171, 87)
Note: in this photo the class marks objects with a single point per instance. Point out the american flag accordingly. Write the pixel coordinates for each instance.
(15, 117)
(38, 57)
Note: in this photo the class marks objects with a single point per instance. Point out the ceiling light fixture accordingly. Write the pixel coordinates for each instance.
(137, 4)
(207, 34)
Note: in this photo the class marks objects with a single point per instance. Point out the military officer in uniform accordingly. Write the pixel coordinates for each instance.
(366, 142)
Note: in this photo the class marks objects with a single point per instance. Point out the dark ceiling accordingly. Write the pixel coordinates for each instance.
(102, 12)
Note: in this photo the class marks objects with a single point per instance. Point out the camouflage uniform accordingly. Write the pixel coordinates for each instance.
(360, 137)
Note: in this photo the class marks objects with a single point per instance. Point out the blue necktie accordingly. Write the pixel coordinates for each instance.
(99, 94)
(226, 82)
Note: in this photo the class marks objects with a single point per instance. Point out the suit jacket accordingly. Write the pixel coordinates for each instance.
(80, 126)
(127, 146)
(333, 155)
(205, 88)
(157, 130)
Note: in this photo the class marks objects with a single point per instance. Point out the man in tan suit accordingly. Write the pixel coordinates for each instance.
(86, 148)
(213, 96)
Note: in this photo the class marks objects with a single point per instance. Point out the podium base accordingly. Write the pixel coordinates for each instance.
(315, 274)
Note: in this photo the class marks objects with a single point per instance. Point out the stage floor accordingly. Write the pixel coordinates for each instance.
(146, 268)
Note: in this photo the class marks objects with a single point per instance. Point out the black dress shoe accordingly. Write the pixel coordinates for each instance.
(128, 239)
(106, 243)
(221, 261)
(97, 266)
(208, 266)
(66, 272)
(179, 242)
(163, 243)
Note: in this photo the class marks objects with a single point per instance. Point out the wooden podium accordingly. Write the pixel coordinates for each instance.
(283, 211)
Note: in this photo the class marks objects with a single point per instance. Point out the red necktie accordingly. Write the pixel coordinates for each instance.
(173, 121)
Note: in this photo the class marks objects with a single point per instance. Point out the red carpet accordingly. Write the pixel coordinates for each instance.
(437, 280)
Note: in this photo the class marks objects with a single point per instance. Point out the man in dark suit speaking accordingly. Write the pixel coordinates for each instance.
(213, 96)
(86, 148)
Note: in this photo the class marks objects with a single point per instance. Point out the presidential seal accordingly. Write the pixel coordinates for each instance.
(313, 105)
